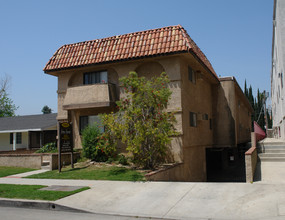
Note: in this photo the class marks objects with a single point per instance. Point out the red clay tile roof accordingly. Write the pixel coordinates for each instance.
(161, 41)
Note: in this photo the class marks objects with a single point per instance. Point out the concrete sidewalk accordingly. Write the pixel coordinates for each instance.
(183, 200)
(175, 200)
(21, 175)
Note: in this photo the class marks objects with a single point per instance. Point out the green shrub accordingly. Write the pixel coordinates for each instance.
(141, 121)
(89, 141)
(110, 160)
(123, 160)
(96, 145)
(48, 148)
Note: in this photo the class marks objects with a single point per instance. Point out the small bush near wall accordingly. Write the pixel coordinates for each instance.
(95, 145)
(48, 148)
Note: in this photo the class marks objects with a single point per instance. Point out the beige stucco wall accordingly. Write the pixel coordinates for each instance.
(225, 114)
(197, 98)
(233, 115)
(5, 142)
(243, 118)
(94, 95)
(74, 78)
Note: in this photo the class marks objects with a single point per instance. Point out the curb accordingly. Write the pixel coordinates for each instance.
(38, 205)
(42, 205)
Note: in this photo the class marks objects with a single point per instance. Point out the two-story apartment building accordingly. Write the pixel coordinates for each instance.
(210, 112)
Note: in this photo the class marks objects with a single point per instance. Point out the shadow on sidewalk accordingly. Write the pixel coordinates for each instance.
(257, 175)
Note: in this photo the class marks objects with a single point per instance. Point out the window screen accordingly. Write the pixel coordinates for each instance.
(95, 77)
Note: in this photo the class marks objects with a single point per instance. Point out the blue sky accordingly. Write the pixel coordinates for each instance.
(235, 35)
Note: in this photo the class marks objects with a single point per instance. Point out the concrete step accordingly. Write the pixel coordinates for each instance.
(45, 167)
(272, 159)
(277, 144)
(45, 163)
(272, 155)
(268, 150)
(274, 147)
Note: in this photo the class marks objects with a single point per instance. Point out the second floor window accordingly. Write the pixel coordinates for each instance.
(95, 77)
(193, 119)
(191, 75)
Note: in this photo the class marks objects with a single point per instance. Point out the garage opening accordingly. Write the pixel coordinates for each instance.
(226, 164)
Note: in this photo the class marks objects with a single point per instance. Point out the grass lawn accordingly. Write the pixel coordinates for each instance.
(93, 173)
(7, 171)
(33, 192)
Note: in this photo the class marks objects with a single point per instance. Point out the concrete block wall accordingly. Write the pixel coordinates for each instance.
(20, 160)
(65, 159)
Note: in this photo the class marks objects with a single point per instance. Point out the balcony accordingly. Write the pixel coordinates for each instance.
(90, 96)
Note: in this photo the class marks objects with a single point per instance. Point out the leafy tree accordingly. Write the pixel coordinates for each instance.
(46, 110)
(7, 107)
(141, 121)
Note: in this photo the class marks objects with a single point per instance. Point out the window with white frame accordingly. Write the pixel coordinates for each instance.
(18, 138)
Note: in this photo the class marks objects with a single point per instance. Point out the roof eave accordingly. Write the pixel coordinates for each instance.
(20, 130)
(204, 65)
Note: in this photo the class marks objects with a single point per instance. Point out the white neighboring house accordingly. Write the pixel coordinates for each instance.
(277, 71)
(27, 132)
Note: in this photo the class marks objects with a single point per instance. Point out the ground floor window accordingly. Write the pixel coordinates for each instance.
(11, 138)
(90, 120)
(18, 138)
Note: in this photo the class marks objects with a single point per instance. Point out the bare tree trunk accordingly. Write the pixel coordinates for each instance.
(4, 84)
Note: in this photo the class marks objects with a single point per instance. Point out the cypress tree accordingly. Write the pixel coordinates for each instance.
(245, 89)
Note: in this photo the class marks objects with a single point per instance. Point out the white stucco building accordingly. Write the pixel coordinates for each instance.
(277, 71)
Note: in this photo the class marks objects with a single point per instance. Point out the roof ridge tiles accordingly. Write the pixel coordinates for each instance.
(120, 35)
